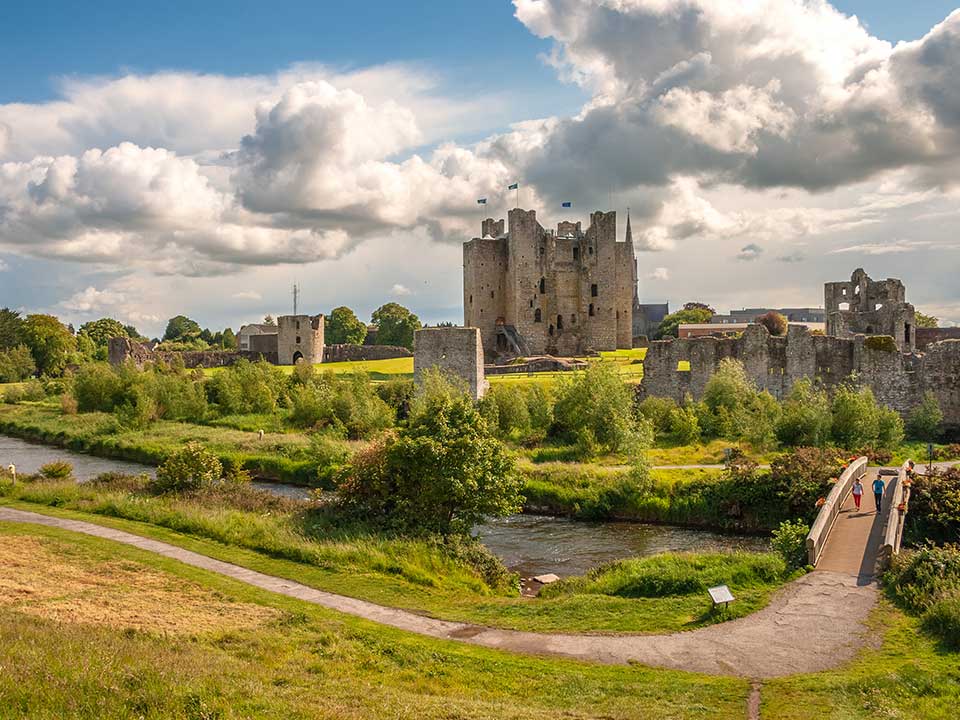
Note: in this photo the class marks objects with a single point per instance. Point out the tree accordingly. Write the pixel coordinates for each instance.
(229, 340)
(181, 329)
(926, 321)
(100, 331)
(925, 419)
(775, 323)
(133, 333)
(444, 472)
(16, 364)
(806, 417)
(670, 325)
(50, 343)
(268, 320)
(395, 325)
(344, 327)
(206, 336)
(699, 306)
(11, 329)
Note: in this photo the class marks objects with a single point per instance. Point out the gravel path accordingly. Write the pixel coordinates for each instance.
(814, 623)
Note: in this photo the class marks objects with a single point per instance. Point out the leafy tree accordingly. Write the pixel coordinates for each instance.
(100, 331)
(684, 424)
(50, 343)
(229, 341)
(775, 323)
(344, 327)
(802, 476)
(181, 329)
(190, 468)
(11, 329)
(699, 306)
(395, 325)
(16, 364)
(926, 321)
(806, 418)
(670, 325)
(925, 419)
(444, 472)
(268, 320)
(133, 333)
(206, 336)
(859, 421)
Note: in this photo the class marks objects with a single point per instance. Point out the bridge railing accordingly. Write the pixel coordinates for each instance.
(899, 495)
(820, 531)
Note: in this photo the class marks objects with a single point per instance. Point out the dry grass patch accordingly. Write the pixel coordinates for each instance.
(60, 582)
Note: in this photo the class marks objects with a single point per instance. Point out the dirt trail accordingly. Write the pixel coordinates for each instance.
(812, 624)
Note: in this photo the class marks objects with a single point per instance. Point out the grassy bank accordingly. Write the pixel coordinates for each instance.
(297, 661)
(300, 542)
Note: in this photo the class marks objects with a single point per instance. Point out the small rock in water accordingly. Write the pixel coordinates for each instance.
(546, 579)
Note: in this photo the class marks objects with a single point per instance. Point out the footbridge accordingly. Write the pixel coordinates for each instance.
(861, 542)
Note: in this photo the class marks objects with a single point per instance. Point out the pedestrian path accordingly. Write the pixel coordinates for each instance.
(812, 624)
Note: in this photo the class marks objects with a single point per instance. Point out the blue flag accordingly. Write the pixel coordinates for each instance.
(566, 204)
(513, 187)
(482, 201)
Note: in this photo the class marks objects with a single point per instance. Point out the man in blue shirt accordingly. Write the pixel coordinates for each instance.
(878, 491)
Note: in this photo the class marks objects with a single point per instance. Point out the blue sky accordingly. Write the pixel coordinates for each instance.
(172, 192)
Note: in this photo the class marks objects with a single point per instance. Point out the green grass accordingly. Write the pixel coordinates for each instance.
(907, 676)
(396, 572)
(310, 663)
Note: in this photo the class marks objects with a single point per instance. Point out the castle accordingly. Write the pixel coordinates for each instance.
(533, 291)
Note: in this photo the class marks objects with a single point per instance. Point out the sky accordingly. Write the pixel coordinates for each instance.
(200, 158)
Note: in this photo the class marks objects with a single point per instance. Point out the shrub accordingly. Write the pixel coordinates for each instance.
(190, 468)
(97, 387)
(802, 476)
(56, 470)
(805, 419)
(16, 364)
(883, 343)
(345, 402)
(925, 419)
(775, 323)
(442, 473)
(13, 394)
(658, 411)
(943, 620)
(935, 506)
(595, 411)
(789, 541)
(919, 579)
(685, 425)
(33, 390)
(397, 393)
(68, 404)
(246, 388)
(859, 421)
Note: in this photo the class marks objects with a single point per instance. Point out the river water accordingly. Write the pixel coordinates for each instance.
(527, 544)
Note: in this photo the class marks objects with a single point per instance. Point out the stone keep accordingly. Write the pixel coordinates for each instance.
(870, 307)
(300, 337)
(455, 351)
(532, 291)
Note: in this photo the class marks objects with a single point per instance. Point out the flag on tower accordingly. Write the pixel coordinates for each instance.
(515, 186)
(482, 201)
(566, 204)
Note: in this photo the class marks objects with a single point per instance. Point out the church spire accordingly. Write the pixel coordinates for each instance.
(629, 237)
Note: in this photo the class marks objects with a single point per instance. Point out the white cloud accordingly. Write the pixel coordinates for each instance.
(400, 290)
(887, 248)
(92, 300)
(660, 273)
(247, 295)
(3, 265)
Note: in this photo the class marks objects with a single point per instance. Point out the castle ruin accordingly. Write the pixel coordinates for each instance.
(533, 291)
(882, 359)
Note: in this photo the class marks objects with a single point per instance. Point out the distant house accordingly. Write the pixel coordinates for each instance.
(247, 332)
(748, 315)
(689, 330)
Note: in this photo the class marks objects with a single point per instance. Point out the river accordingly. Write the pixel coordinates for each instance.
(527, 544)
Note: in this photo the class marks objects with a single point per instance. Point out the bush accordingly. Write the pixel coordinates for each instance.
(859, 421)
(925, 419)
(397, 393)
(190, 468)
(594, 409)
(658, 411)
(918, 580)
(789, 541)
(443, 473)
(805, 419)
(97, 388)
(247, 388)
(802, 476)
(685, 425)
(935, 507)
(943, 620)
(56, 470)
(775, 323)
(347, 403)
(16, 364)
(13, 394)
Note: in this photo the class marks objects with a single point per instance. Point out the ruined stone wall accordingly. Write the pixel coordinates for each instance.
(300, 337)
(928, 336)
(870, 307)
(121, 350)
(775, 363)
(458, 351)
(355, 353)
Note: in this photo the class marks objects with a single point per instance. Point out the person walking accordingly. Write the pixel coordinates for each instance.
(857, 493)
(878, 487)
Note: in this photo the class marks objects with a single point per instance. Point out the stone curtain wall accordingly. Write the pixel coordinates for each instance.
(122, 349)
(457, 351)
(776, 363)
(354, 353)
(928, 336)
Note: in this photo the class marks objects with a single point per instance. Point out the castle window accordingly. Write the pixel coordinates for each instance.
(537, 316)
(590, 310)
(576, 254)
(550, 331)
(573, 318)
(471, 299)
(543, 250)
(298, 327)
(618, 314)
(491, 294)
(543, 285)
(593, 290)
(531, 303)
(590, 249)
(298, 337)
(559, 322)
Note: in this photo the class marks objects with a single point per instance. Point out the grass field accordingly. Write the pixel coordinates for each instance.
(292, 660)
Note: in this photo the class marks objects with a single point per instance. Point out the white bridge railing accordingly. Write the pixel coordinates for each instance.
(820, 531)
(896, 514)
